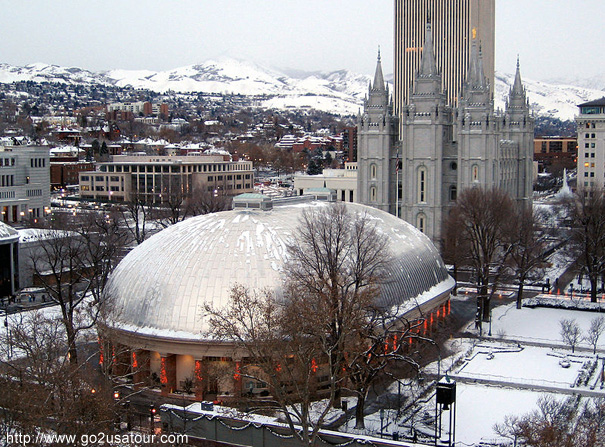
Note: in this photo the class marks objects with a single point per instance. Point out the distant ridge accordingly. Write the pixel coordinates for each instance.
(340, 92)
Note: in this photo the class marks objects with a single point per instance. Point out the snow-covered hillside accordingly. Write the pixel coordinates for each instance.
(554, 100)
(50, 73)
(339, 91)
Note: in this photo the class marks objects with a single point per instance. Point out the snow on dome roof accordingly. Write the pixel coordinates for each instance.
(161, 287)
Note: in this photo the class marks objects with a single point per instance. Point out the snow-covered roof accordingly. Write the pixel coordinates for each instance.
(162, 286)
(66, 150)
(8, 233)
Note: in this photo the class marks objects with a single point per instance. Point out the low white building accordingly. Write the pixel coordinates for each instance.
(343, 181)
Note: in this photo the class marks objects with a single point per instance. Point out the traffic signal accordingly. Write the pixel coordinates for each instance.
(152, 410)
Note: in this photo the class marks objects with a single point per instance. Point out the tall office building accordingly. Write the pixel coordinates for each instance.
(456, 23)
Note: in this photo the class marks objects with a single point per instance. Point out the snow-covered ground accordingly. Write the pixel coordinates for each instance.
(538, 325)
(505, 374)
(479, 407)
(526, 365)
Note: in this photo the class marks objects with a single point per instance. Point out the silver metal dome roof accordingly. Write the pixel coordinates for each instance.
(161, 287)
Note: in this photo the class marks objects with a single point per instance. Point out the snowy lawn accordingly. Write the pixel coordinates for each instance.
(527, 365)
(479, 407)
(539, 325)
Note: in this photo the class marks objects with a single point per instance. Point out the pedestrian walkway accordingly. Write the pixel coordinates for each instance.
(528, 386)
(23, 305)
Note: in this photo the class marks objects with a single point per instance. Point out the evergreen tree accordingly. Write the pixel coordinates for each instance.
(96, 146)
(314, 168)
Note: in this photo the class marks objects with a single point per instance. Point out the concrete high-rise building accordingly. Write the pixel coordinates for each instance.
(456, 24)
(591, 146)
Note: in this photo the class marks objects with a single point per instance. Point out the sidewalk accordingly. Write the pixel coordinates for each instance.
(533, 387)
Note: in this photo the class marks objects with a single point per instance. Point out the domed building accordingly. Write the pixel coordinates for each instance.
(159, 290)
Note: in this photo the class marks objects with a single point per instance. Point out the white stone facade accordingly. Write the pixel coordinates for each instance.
(24, 182)
(342, 181)
(443, 150)
(591, 144)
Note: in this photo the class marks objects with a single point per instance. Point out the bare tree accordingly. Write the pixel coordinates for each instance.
(105, 240)
(277, 352)
(137, 213)
(453, 248)
(205, 202)
(588, 234)
(484, 217)
(558, 422)
(174, 195)
(177, 205)
(596, 329)
(320, 329)
(528, 252)
(380, 343)
(73, 259)
(570, 333)
(336, 262)
(41, 388)
(59, 267)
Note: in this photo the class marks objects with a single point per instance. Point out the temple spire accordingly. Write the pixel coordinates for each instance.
(476, 76)
(517, 90)
(378, 76)
(428, 66)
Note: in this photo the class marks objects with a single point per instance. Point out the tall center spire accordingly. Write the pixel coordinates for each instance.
(476, 77)
(428, 68)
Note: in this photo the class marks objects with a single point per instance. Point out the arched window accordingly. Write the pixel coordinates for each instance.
(373, 194)
(421, 222)
(422, 182)
(373, 171)
(475, 173)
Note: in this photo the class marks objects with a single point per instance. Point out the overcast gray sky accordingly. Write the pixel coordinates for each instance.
(554, 38)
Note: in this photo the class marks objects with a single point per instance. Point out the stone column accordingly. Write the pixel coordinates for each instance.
(237, 379)
(139, 364)
(168, 374)
(199, 379)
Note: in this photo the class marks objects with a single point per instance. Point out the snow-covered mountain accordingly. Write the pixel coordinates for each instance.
(546, 99)
(50, 73)
(339, 92)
